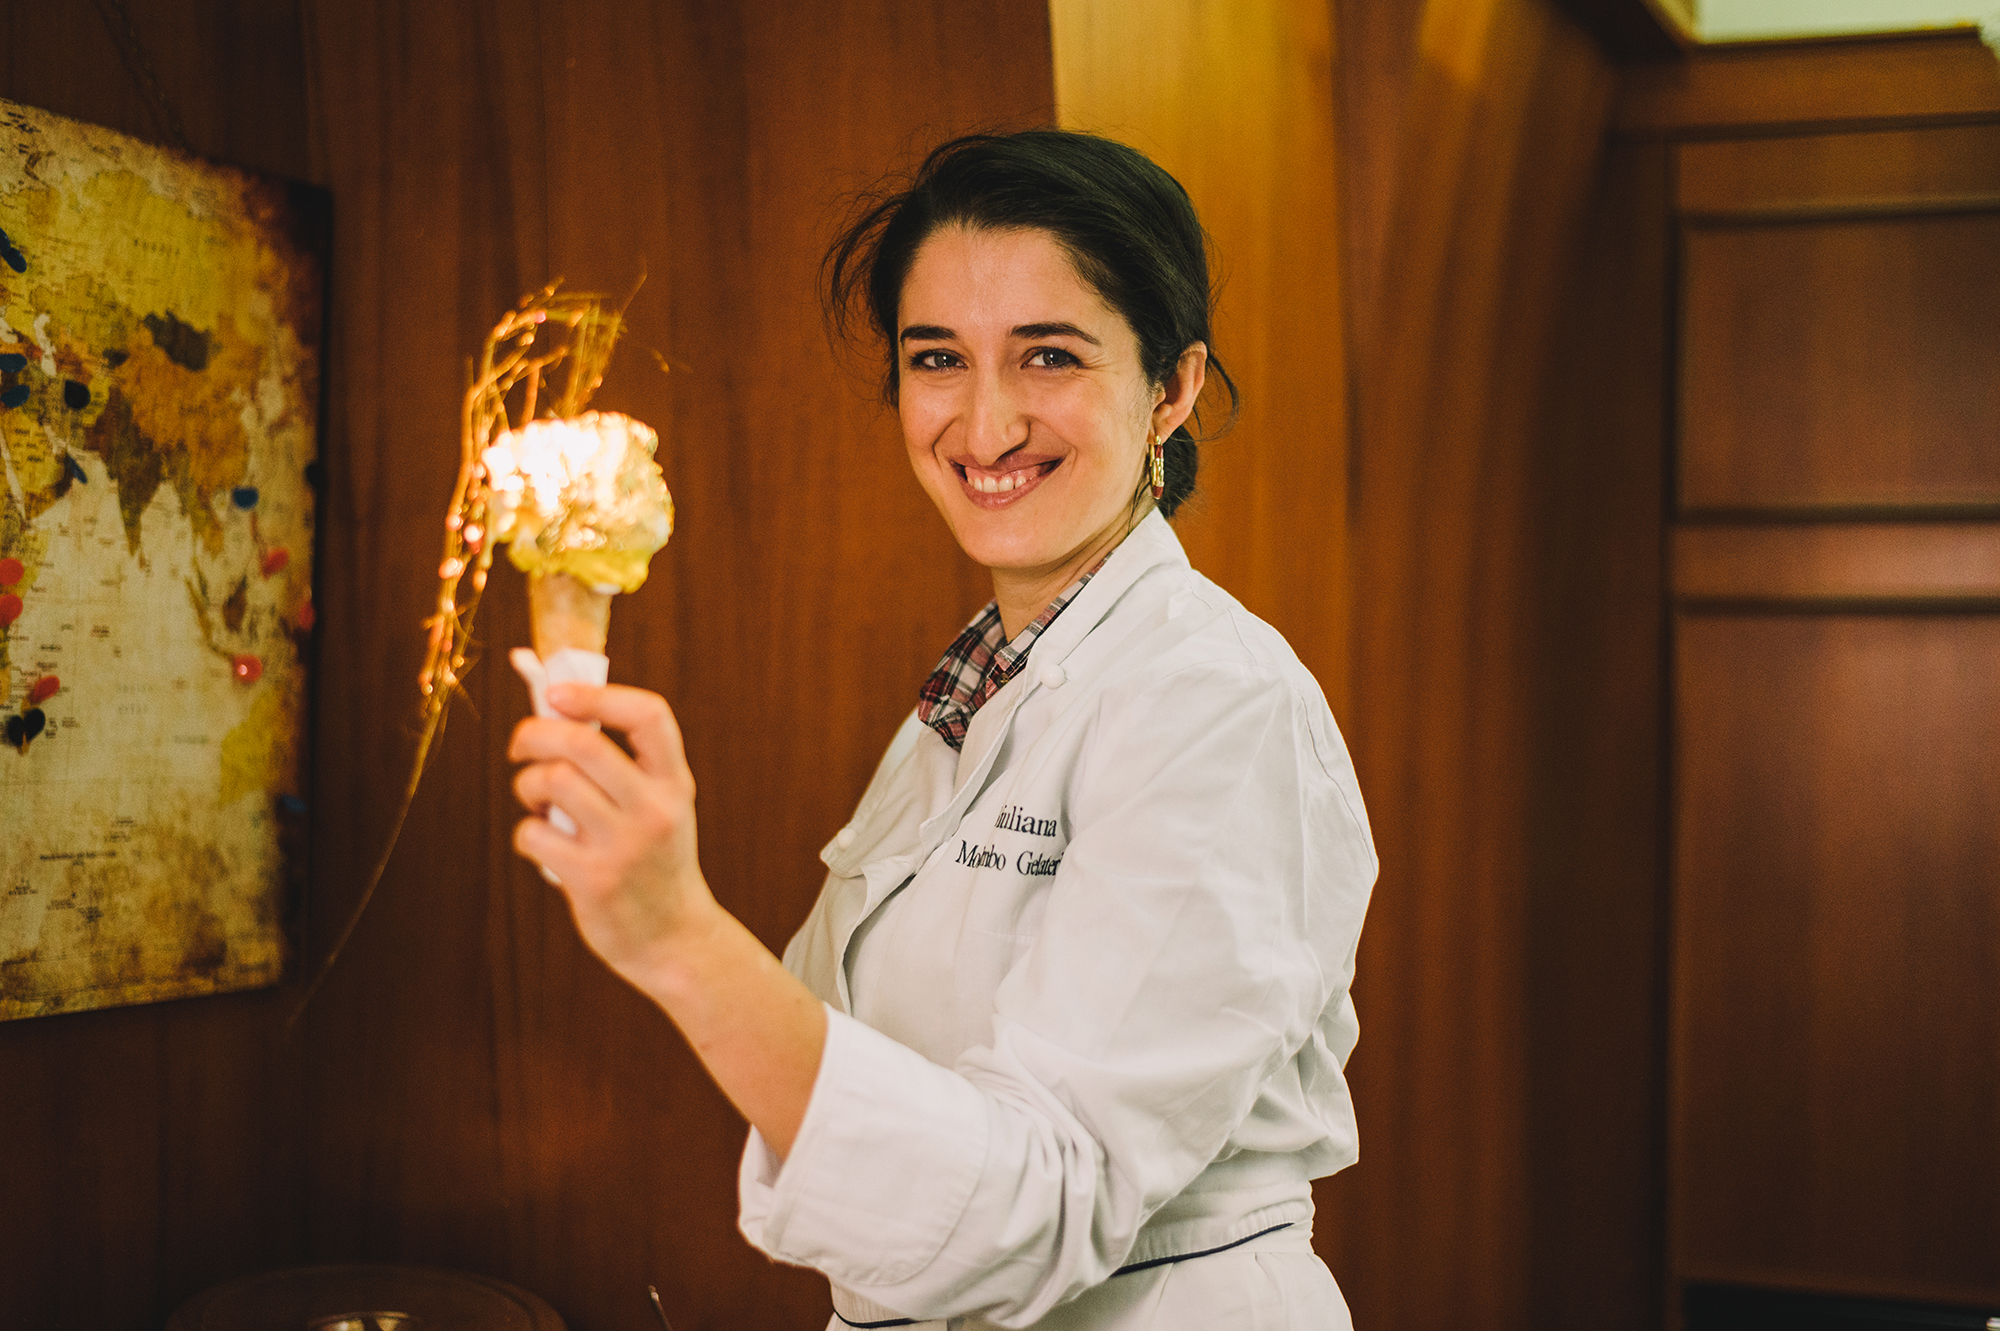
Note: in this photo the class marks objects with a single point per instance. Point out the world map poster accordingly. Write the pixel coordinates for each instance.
(159, 387)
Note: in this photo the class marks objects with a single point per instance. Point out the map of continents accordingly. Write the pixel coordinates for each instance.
(159, 329)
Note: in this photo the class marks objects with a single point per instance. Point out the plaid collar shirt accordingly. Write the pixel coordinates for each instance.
(978, 665)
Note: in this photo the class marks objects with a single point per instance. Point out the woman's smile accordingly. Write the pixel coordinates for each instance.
(1010, 480)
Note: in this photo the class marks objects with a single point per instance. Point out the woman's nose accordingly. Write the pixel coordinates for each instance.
(997, 425)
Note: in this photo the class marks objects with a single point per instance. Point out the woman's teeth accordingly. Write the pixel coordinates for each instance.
(1005, 482)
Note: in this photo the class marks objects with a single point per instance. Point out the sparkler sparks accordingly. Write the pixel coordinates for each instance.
(539, 368)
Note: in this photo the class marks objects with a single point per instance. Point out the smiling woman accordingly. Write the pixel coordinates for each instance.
(1083, 269)
(1061, 1044)
(1028, 418)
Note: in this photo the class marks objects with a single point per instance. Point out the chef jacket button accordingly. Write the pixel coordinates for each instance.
(1052, 676)
(844, 838)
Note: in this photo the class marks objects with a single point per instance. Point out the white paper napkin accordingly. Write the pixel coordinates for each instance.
(571, 665)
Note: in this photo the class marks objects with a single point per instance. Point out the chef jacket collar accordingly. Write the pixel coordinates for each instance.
(874, 844)
(1146, 547)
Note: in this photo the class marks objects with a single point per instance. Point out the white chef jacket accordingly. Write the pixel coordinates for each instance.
(1087, 988)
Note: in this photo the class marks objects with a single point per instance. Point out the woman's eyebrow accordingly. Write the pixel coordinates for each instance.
(1031, 331)
(1028, 332)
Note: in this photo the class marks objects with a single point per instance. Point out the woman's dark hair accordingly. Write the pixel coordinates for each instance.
(1128, 226)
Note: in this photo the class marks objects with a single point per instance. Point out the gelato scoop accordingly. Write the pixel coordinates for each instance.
(580, 497)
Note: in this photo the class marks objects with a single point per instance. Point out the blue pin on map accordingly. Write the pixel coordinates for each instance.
(244, 496)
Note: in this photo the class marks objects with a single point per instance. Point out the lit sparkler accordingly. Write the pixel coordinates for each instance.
(576, 497)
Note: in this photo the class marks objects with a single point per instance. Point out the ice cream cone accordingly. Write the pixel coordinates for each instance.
(567, 613)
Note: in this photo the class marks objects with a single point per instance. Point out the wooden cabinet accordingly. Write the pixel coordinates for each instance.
(1833, 1062)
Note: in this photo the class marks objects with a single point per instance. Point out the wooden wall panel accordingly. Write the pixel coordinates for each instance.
(1504, 713)
(1836, 1108)
(1729, 88)
(1375, 47)
(148, 1152)
(231, 73)
(1595, 887)
(1938, 564)
(1236, 100)
(1840, 364)
(483, 1093)
(1938, 167)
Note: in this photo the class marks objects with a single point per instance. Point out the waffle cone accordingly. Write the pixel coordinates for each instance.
(566, 613)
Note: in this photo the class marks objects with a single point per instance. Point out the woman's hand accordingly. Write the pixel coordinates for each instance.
(636, 889)
(631, 872)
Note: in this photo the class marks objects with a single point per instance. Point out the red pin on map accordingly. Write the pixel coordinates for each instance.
(44, 689)
(247, 668)
(10, 608)
(11, 572)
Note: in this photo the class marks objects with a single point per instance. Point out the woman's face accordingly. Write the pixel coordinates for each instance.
(1023, 404)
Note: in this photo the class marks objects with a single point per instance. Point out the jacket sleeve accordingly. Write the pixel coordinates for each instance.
(1203, 918)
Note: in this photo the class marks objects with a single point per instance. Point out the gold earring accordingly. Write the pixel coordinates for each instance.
(1157, 447)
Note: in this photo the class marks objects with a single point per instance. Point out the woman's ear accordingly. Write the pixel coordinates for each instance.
(1182, 387)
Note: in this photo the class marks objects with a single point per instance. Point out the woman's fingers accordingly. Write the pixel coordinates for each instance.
(609, 840)
(589, 750)
(537, 840)
(632, 872)
(543, 784)
(641, 716)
